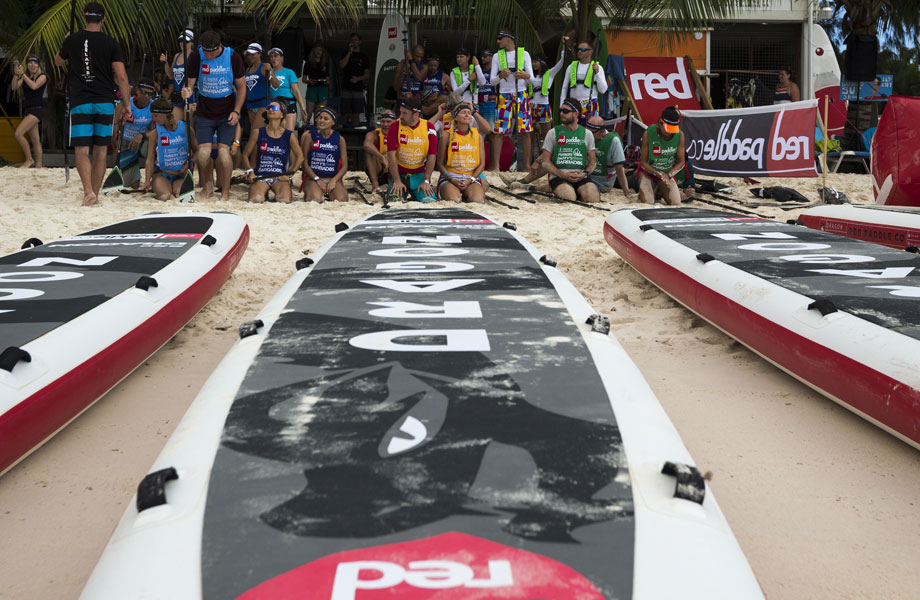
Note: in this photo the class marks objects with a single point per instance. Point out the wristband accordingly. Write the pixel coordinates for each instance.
(236, 143)
(428, 181)
(248, 171)
(316, 178)
(235, 111)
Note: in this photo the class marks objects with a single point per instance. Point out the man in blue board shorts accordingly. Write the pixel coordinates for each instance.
(94, 65)
(221, 79)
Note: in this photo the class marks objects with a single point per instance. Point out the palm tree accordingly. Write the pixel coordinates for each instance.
(863, 20)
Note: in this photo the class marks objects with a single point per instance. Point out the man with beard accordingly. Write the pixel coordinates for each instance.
(569, 157)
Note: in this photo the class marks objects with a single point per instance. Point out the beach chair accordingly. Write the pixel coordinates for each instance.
(861, 156)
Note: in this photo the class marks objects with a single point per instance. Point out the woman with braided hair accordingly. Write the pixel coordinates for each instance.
(271, 157)
(166, 166)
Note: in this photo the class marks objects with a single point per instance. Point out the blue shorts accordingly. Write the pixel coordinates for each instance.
(414, 181)
(205, 128)
(256, 104)
(487, 111)
(169, 176)
(91, 124)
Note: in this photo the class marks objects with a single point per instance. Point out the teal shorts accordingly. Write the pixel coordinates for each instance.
(414, 181)
(91, 124)
(317, 93)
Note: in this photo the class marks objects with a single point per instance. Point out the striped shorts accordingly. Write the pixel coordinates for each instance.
(91, 124)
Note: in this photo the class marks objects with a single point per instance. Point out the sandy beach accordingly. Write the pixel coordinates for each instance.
(824, 504)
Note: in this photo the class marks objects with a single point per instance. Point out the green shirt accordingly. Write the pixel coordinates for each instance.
(662, 154)
(601, 148)
(570, 151)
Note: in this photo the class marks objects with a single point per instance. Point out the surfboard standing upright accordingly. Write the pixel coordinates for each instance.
(389, 53)
(840, 315)
(79, 314)
(421, 412)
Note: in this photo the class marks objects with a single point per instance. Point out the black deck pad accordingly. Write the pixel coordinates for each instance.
(37, 298)
(332, 447)
(887, 301)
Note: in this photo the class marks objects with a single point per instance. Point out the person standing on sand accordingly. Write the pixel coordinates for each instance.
(32, 81)
(662, 157)
(585, 81)
(94, 66)
(511, 71)
(569, 157)
(221, 79)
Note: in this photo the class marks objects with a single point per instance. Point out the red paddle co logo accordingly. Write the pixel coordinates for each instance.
(450, 566)
(164, 140)
(206, 69)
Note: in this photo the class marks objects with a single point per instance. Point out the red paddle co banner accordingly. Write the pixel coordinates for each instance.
(765, 141)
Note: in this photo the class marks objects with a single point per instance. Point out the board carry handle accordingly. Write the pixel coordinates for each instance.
(250, 328)
(548, 260)
(303, 263)
(341, 227)
(705, 257)
(599, 323)
(12, 356)
(145, 282)
(913, 249)
(208, 240)
(690, 483)
(509, 225)
(151, 491)
(31, 243)
(645, 227)
(824, 306)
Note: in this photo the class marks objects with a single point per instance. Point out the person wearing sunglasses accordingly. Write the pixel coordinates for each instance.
(662, 157)
(167, 164)
(134, 132)
(325, 159)
(569, 156)
(270, 157)
(375, 150)
(221, 78)
(283, 87)
(584, 81)
(512, 70)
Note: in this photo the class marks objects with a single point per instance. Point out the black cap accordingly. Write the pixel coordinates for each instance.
(671, 115)
(463, 51)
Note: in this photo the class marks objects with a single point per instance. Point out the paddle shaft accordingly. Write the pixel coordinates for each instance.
(73, 16)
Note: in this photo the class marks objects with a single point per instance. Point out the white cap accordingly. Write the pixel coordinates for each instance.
(253, 48)
(187, 35)
(277, 51)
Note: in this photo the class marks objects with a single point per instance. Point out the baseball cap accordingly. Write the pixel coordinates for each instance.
(253, 48)
(277, 51)
(187, 35)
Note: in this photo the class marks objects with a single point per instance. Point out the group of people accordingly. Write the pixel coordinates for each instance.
(445, 122)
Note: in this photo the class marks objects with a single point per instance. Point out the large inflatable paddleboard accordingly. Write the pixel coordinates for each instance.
(894, 226)
(895, 165)
(838, 314)
(425, 411)
(79, 314)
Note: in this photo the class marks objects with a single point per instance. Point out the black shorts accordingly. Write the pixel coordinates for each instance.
(37, 111)
(352, 102)
(289, 104)
(555, 182)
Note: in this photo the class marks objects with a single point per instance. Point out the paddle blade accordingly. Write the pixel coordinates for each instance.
(187, 191)
(114, 182)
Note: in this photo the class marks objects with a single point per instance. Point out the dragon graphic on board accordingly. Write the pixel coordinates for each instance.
(390, 446)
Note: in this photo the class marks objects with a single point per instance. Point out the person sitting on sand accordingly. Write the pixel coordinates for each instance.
(375, 150)
(326, 159)
(412, 147)
(610, 157)
(461, 159)
(165, 168)
(662, 157)
(32, 81)
(273, 155)
(568, 156)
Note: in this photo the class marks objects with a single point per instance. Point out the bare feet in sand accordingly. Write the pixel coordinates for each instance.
(90, 199)
(27, 164)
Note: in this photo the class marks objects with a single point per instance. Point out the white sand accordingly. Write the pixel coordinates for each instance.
(824, 504)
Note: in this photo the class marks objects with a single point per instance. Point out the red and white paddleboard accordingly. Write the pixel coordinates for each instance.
(838, 314)
(79, 314)
(894, 226)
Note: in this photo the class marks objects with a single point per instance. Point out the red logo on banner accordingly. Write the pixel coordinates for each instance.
(450, 566)
(206, 69)
(164, 141)
(391, 32)
(791, 151)
(656, 150)
(657, 83)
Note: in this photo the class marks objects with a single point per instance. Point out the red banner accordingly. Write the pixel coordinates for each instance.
(656, 83)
